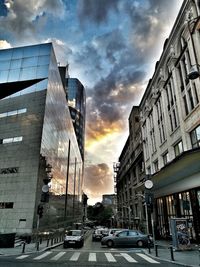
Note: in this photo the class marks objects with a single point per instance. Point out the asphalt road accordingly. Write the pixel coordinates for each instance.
(92, 254)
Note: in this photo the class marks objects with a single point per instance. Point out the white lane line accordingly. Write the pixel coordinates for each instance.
(128, 257)
(75, 256)
(92, 257)
(43, 255)
(110, 257)
(22, 257)
(57, 256)
(147, 258)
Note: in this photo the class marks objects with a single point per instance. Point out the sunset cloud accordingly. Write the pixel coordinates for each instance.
(111, 47)
(99, 180)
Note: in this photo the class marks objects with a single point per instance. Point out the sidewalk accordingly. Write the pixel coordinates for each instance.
(183, 258)
(30, 248)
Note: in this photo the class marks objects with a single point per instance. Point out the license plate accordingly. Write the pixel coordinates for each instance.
(72, 242)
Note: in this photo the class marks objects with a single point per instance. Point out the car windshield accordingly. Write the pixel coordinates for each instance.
(74, 233)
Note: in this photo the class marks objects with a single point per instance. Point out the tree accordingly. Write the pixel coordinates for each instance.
(99, 213)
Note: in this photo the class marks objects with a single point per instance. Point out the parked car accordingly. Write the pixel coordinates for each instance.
(99, 233)
(112, 231)
(127, 238)
(73, 238)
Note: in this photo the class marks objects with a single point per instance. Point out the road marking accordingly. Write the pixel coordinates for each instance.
(147, 258)
(128, 257)
(75, 256)
(43, 255)
(110, 257)
(22, 257)
(58, 256)
(92, 257)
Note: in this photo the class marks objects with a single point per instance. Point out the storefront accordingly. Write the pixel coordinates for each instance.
(177, 194)
(179, 205)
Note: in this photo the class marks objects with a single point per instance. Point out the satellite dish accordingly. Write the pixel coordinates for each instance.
(45, 188)
(194, 73)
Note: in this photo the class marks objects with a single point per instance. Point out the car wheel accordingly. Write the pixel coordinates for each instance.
(140, 243)
(64, 246)
(110, 243)
(93, 239)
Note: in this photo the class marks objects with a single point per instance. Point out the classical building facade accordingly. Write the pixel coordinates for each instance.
(170, 115)
(40, 160)
(170, 125)
(130, 176)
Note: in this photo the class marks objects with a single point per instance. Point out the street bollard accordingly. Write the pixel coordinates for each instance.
(156, 250)
(38, 245)
(172, 253)
(40, 240)
(23, 247)
(47, 242)
(51, 241)
(149, 247)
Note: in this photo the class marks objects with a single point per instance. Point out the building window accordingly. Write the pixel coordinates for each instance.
(160, 121)
(178, 148)
(195, 137)
(156, 165)
(165, 158)
(6, 205)
(13, 113)
(172, 106)
(9, 170)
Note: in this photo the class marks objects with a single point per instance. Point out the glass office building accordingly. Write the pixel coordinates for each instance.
(76, 102)
(40, 160)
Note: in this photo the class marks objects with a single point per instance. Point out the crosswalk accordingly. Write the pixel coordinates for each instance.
(53, 256)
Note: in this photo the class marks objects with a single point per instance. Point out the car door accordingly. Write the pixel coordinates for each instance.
(121, 238)
(132, 238)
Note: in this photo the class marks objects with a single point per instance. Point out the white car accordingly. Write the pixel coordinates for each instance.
(74, 238)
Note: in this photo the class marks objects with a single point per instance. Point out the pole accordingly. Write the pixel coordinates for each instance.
(37, 229)
(129, 217)
(67, 179)
(146, 214)
(153, 232)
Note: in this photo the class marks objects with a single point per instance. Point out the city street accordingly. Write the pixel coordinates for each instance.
(92, 254)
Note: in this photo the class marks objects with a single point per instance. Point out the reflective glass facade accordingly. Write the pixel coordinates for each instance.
(48, 148)
(76, 102)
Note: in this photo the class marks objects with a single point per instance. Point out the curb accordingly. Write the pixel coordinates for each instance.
(173, 262)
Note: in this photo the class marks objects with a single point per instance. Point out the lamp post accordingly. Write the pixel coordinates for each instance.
(149, 203)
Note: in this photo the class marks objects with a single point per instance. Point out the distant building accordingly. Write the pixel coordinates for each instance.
(109, 199)
(40, 161)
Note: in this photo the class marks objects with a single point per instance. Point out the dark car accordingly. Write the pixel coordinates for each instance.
(127, 238)
(74, 238)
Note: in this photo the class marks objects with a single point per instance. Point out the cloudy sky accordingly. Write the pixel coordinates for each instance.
(111, 47)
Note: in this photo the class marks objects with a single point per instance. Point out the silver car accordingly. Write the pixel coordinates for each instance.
(127, 238)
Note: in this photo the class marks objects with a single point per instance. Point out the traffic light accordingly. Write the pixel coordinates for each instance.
(40, 211)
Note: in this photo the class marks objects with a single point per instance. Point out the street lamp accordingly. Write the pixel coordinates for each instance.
(194, 72)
